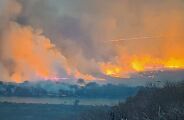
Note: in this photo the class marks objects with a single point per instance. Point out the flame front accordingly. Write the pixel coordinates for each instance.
(139, 64)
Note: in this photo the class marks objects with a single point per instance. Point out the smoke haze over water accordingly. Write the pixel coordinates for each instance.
(60, 39)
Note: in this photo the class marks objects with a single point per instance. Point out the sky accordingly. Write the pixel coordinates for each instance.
(89, 39)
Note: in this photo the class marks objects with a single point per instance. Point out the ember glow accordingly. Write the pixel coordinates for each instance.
(141, 64)
(89, 40)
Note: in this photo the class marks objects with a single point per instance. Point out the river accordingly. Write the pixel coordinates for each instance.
(66, 101)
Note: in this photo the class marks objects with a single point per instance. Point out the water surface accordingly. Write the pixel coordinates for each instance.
(66, 101)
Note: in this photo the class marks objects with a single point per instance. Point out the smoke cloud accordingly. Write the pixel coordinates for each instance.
(25, 52)
(89, 39)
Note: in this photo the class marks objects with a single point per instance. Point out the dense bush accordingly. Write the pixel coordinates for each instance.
(150, 103)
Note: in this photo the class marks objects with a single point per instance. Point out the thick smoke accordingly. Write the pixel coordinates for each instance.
(86, 38)
(26, 54)
(8, 10)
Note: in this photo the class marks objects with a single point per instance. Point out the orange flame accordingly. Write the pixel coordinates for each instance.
(141, 63)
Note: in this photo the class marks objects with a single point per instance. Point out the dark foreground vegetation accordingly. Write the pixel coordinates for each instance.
(151, 103)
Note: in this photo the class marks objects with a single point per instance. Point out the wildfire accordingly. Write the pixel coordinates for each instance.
(152, 41)
(138, 64)
(175, 64)
(111, 70)
(84, 76)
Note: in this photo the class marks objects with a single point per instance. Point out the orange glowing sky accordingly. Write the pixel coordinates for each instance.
(90, 39)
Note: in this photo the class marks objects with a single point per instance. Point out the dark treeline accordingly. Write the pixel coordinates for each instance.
(89, 90)
(94, 90)
(150, 103)
(9, 89)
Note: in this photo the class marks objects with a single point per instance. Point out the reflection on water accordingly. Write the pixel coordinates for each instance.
(66, 101)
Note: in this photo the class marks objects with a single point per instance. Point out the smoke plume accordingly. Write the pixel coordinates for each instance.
(44, 39)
